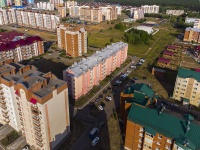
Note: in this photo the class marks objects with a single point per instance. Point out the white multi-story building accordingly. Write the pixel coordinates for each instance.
(45, 6)
(150, 9)
(195, 21)
(7, 16)
(136, 13)
(35, 103)
(187, 87)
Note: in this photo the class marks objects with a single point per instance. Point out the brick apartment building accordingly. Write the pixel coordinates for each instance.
(192, 34)
(20, 47)
(73, 39)
(149, 126)
(31, 102)
(187, 86)
(82, 76)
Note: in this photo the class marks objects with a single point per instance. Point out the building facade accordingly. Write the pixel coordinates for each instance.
(195, 21)
(70, 3)
(62, 11)
(2, 3)
(22, 49)
(7, 16)
(187, 86)
(175, 12)
(18, 2)
(137, 13)
(150, 9)
(72, 39)
(192, 34)
(32, 102)
(82, 76)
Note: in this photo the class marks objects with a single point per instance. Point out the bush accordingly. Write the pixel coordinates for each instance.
(120, 26)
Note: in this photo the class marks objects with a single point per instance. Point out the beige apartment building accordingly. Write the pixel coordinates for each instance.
(73, 39)
(187, 87)
(192, 34)
(35, 103)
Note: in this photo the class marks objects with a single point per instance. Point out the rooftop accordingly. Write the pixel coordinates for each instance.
(171, 47)
(164, 60)
(186, 73)
(6, 37)
(178, 128)
(22, 42)
(168, 53)
(193, 29)
(89, 62)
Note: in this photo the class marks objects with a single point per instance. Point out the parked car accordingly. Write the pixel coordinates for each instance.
(95, 141)
(142, 60)
(133, 67)
(101, 125)
(96, 100)
(128, 71)
(101, 95)
(100, 107)
(118, 82)
(108, 98)
(93, 132)
(104, 91)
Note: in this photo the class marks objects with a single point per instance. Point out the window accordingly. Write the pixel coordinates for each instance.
(158, 143)
(169, 141)
(148, 134)
(160, 136)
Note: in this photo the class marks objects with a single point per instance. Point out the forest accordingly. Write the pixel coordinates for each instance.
(187, 4)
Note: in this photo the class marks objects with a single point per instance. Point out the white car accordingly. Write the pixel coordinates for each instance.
(109, 98)
(142, 60)
(100, 107)
(95, 141)
(128, 71)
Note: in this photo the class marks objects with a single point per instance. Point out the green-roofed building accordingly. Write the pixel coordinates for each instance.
(140, 94)
(187, 86)
(151, 128)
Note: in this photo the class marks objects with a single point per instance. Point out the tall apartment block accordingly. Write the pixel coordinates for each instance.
(22, 49)
(57, 2)
(91, 14)
(34, 103)
(187, 87)
(195, 21)
(74, 11)
(72, 39)
(82, 76)
(149, 126)
(45, 6)
(150, 9)
(137, 13)
(18, 2)
(192, 34)
(62, 11)
(7, 16)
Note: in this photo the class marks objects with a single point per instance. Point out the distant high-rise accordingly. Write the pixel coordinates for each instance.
(2, 3)
(137, 13)
(150, 9)
(30, 1)
(18, 3)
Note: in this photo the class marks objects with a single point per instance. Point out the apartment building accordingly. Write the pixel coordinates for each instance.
(137, 13)
(160, 129)
(192, 34)
(195, 21)
(175, 12)
(82, 76)
(62, 11)
(73, 39)
(7, 16)
(187, 86)
(149, 126)
(36, 103)
(18, 2)
(57, 3)
(150, 9)
(45, 6)
(42, 20)
(95, 14)
(22, 49)
(70, 4)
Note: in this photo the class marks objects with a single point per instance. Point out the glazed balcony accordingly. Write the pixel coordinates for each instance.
(6, 116)
(34, 107)
(4, 111)
(38, 129)
(22, 124)
(19, 108)
(39, 139)
(38, 134)
(3, 106)
(36, 123)
(36, 113)
(40, 144)
(2, 102)
(21, 119)
(7, 120)
(36, 118)
(20, 114)
(1, 93)
(2, 98)
(1, 88)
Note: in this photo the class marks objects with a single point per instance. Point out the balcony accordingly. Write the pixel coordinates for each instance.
(36, 118)
(2, 98)
(38, 134)
(21, 118)
(3, 106)
(6, 116)
(38, 129)
(22, 124)
(39, 139)
(1, 88)
(19, 108)
(1, 93)
(34, 107)
(36, 113)
(20, 114)
(40, 144)
(7, 120)
(3, 102)
(4, 111)
(37, 123)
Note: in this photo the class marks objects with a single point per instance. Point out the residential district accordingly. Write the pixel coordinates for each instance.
(98, 76)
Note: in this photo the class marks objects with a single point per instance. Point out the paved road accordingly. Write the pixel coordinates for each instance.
(83, 142)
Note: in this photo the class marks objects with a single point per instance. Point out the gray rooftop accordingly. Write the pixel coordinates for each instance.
(89, 62)
(29, 78)
(193, 29)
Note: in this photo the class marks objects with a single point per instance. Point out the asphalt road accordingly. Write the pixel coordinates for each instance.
(83, 142)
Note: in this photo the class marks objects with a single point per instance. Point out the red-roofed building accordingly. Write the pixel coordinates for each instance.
(168, 54)
(22, 49)
(163, 62)
(172, 48)
(6, 37)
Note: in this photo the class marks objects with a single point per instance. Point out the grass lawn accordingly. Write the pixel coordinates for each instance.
(77, 128)
(10, 138)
